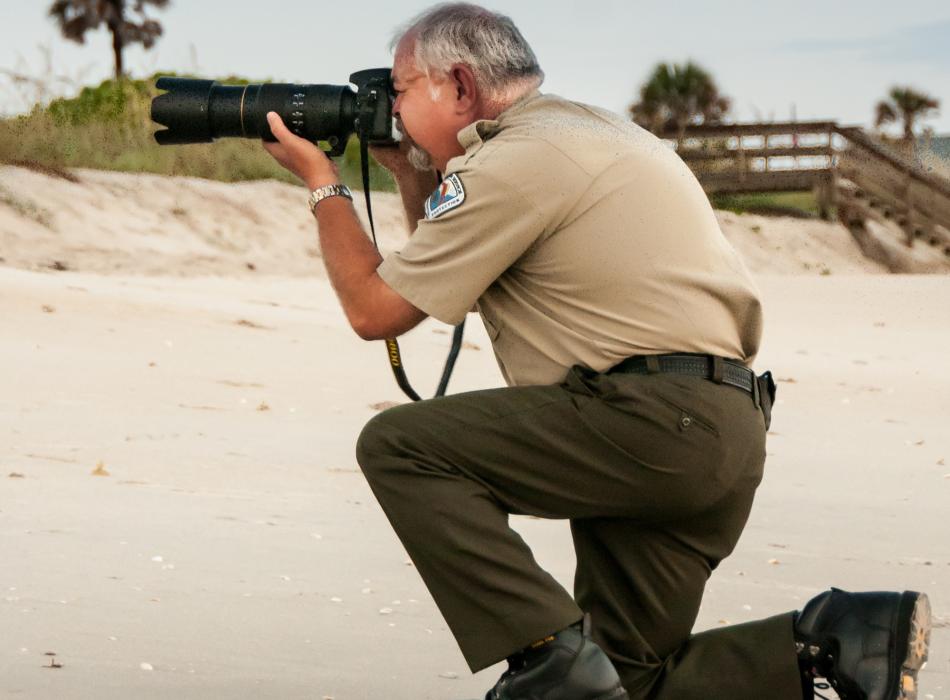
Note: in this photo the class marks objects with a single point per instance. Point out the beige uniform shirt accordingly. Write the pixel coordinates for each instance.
(581, 239)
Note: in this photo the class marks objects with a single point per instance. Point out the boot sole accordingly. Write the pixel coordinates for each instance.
(616, 694)
(913, 637)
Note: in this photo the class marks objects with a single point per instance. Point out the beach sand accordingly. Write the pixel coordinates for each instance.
(181, 513)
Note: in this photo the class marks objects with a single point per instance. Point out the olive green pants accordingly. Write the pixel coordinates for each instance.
(656, 474)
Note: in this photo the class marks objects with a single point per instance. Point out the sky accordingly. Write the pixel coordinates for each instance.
(818, 59)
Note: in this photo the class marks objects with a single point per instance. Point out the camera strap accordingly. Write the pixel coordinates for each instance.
(392, 347)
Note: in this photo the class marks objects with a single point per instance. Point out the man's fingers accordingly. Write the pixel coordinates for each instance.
(298, 155)
(277, 126)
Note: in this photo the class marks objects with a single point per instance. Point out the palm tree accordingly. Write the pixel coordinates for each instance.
(76, 17)
(676, 96)
(906, 104)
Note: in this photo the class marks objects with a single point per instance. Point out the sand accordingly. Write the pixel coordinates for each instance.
(181, 513)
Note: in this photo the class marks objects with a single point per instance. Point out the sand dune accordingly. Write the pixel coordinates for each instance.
(109, 222)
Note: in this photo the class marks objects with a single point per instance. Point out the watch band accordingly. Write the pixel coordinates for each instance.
(322, 193)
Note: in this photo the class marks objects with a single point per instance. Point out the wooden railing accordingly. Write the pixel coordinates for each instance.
(885, 186)
(848, 171)
(759, 157)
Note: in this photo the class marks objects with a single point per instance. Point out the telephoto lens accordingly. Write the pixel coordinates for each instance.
(200, 111)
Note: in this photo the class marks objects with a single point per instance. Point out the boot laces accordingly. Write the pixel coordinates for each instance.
(822, 665)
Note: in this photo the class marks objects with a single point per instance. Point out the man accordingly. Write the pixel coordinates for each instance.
(625, 324)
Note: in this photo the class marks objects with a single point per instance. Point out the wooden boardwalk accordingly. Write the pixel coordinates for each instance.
(853, 176)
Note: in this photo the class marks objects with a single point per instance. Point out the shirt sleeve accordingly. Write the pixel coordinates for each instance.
(452, 258)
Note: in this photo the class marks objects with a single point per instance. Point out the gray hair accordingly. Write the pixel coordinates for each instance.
(487, 42)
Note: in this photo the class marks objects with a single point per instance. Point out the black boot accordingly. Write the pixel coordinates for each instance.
(869, 646)
(567, 666)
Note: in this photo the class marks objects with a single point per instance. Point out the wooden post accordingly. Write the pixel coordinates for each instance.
(741, 160)
(909, 211)
(824, 195)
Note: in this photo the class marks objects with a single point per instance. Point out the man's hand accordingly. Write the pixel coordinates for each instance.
(394, 158)
(414, 185)
(299, 156)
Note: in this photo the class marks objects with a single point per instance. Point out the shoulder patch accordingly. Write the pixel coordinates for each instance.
(446, 196)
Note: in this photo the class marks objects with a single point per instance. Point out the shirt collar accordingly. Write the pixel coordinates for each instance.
(480, 131)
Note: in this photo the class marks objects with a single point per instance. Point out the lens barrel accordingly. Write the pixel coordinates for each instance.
(199, 111)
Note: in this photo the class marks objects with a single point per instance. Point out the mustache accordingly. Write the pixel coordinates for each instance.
(418, 157)
(400, 127)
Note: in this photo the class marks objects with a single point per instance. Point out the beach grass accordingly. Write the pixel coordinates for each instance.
(797, 204)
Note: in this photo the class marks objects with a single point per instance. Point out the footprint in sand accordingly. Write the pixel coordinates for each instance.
(252, 324)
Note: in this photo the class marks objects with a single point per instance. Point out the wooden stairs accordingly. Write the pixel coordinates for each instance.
(855, 178)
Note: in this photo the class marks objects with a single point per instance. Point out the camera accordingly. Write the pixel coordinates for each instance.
(200, 111)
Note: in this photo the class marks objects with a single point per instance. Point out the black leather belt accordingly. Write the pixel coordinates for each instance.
(717, 369)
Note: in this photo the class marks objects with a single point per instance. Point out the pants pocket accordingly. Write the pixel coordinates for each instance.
(687, 419)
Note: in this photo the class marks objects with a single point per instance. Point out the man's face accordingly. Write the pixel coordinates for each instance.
(425, 111)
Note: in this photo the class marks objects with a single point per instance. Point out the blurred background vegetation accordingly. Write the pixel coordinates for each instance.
(107, 126)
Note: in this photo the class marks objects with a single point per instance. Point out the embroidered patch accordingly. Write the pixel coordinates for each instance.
(447, 196)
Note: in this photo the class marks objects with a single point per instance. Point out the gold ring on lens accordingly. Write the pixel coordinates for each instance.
(243, 130)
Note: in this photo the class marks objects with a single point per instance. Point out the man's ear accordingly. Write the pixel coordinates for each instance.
(466, 89)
